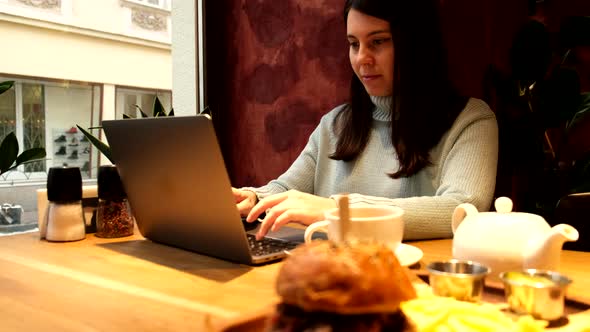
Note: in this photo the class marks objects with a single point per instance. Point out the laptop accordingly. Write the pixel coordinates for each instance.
(177, 185)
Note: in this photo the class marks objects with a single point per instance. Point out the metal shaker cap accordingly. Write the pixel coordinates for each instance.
(64, 184)
(110, 186)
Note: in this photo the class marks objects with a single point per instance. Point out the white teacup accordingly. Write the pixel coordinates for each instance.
(383, 224)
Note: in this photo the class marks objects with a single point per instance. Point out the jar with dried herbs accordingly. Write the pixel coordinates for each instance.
(114, 217)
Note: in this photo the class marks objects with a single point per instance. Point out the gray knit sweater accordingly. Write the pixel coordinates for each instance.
(463, 170)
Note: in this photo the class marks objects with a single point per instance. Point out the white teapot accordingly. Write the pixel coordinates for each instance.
(508, 241)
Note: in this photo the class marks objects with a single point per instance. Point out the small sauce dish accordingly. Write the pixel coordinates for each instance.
(462, 280)
(539, 293)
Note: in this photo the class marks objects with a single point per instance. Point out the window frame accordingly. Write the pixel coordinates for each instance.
(162, 4)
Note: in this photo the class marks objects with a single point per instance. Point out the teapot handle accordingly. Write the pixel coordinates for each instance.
(462, 211)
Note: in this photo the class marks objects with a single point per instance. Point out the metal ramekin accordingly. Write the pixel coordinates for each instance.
(541, 300)
(462, 280)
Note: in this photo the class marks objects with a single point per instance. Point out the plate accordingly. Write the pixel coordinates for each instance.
(408, 254)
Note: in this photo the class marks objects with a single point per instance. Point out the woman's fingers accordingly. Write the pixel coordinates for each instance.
(277, 218)
(271, 215)
(239, 195)
(300, 216)
(244, 207)
(264, 205)
(290, 206)
(245, 200)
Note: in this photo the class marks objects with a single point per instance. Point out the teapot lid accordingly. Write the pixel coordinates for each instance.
(504, 207)
(503, 204)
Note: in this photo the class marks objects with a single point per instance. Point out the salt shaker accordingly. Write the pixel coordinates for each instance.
(113, 214)
(64, 220)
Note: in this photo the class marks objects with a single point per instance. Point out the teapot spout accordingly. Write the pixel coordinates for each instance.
(544, 253)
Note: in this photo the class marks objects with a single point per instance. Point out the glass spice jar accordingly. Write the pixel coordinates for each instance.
(64, 217)
(114, 217)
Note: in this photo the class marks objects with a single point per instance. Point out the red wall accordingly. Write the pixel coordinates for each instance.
(478, 34)
(286, 65)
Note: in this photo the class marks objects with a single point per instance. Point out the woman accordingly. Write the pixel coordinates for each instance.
(406, 138)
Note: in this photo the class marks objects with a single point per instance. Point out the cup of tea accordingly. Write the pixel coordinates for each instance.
(376, 223)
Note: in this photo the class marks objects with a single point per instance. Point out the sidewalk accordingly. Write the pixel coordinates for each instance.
(28, 223)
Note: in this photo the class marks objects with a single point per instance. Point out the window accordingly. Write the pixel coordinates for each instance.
(22, 113)
(33, 122)
(57, 90)
(7, 112)
(162, 4)
(45, 114)
(128, 100)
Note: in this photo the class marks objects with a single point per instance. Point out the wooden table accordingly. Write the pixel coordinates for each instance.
(134, 284)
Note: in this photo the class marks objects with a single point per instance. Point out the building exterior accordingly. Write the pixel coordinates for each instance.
(76, 62)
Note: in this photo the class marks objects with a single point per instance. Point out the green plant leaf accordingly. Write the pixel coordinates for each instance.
(30, 155)
(206, 111)
(8, 152)
(103, 148)
(24, 163)
(5, 86)
(125, 116)
(171, 113)
(143, 115)
(158, 108)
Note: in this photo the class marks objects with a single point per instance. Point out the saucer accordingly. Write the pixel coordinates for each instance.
(408, 254)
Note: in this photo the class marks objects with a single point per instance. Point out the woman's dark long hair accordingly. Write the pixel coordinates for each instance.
(425, 104)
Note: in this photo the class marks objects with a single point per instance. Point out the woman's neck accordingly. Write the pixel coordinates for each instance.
(382, 111)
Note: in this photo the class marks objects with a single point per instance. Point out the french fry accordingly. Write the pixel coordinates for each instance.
(444, 314)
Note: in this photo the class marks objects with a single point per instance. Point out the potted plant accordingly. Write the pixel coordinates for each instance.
(158, 111)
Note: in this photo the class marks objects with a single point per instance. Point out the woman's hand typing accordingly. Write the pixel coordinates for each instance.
(287, 207)
(245, 200)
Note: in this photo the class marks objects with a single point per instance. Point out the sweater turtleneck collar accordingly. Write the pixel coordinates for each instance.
(382, 111)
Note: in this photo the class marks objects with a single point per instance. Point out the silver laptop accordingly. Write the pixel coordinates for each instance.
(177, 184)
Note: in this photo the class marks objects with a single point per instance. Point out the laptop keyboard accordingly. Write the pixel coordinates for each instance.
(268, 246)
